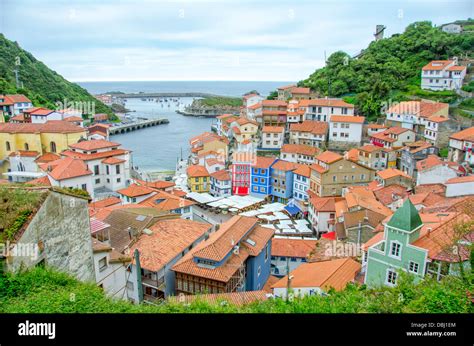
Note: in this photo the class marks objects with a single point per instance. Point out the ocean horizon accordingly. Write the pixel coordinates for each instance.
(224, 88)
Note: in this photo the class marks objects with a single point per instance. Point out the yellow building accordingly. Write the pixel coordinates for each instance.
(198, 179)
(52, 136)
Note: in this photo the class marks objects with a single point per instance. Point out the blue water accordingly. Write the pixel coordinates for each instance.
(157, 148)
(226, 88)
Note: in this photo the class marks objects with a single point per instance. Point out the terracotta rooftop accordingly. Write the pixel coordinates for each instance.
(390, 173)
(300, 149)
(66, 168)
(433, 161)
(285, 247)
(95, 156)
(467, 134)
(347, 119)
(329, 157)
(285, 166)
(169, 238)
(314, 127)
(195, 171)
(389, 194)
(222, 175)
(106, 202)
(264, 162)
(24, 153)
(135, 190)
(273, 129)
(112, 161)
(437, 65)
(14, 98)
(51, 126)
(460, 180)
(303, 170)
(94, 145)
(335, 273)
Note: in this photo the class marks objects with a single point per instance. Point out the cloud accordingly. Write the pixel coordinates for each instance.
(204, 40)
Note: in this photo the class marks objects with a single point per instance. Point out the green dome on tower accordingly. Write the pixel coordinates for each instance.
(406, 217)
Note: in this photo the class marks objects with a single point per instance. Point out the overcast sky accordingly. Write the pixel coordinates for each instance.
(92, 40)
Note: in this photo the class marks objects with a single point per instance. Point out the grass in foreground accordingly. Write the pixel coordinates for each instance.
(45, 291)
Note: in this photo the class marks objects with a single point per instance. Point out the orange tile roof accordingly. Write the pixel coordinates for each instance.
(392, 173)
(467, 134)
(73, 119)
(347, 119)
(424, 109)
(195, 171)
(264, 162)
(323, 204)
(300, 149)
(15, 98)
(352, 155)
(388, 194)
(329, 157)
(433, 161)
(220, 243)
(42, 181)
(244, 121)
(224, 116)
(66, 168)
(96, 156)
(335, 273)
(24, 153)
(165, 201)
(273, 129)
(112, 161)
(283, 165)
(437, 65)
(458, 180)
(106, 202)
(369, 148)
(314, 127)
(438, 119)
(376, 126)
(326, 103)
(135, 190)
(38, 111)
(274, 103)
(20, 118)
(51, 126)
(284, 247)
(222, 175)
(303, 170)
(299, 90)
(168, 240)
(318, 168)
(94, 144)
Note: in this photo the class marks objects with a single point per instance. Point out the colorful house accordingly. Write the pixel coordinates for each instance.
(409, 245)
(260, 179)
(221, 184)
(198, 178)
(235, 258)
(282, 180)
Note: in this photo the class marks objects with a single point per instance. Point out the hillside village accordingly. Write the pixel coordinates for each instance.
(297, 194)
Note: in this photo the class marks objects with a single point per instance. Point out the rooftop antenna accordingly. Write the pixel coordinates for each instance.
(379, 30)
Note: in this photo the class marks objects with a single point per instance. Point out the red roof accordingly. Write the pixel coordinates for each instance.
(273, 129)
(459, 180)
(24, 153)
(284, 247)
(112, 161)
(195, 171)
(221, 175)
(94, 144)
(283, 165)
(135, 190)
(314, 127)
(264, 162)
(347, 119)
(66, 168)
(329, 157)
(51, 126)
(15, 98)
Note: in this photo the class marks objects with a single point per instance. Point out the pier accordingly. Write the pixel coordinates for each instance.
(158, 95)
(113, 130)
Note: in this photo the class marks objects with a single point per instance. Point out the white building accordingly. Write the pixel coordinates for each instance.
(318, 277)
(414, 115)
(301, 180)
(347, 129)
(322, 214)
(110, 269)
(452, 28)
(221, 184)
(23, 166)
(433, 170)
(109, 163)
(442, 75)
(461, 146)
(312, 133)
(460, 186)
(322, 109)
(14, 104)
(251, 100)
(272, 137)
(135, 194)
(289, 253)
(299, 153)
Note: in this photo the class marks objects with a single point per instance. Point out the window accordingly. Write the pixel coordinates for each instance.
(52, 147)
(117, 169)
(97, 181)
(334, 178)
(27, 147)
(96, 169)
(107, 169)
(119, 180)
(266, 253)
(7, 144)
(84, 187)
(102, 263)
(259, 271)
(395, 249)
(413, 267)
(391, 277)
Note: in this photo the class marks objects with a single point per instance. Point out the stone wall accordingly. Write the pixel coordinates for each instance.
(60, 232)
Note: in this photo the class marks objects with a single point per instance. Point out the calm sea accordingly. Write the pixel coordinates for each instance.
(158, 148)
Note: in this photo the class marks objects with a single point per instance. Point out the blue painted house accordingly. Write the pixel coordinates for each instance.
(282, 180)
(235, 258)
(260, 179)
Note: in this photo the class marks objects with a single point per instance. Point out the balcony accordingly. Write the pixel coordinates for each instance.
(153, 283)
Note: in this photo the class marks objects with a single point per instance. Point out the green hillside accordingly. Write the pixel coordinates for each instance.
(43, 86)
(45, 291)
(390, 68)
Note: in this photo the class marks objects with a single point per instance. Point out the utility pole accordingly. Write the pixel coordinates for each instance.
(288, 283)
(139, 275)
